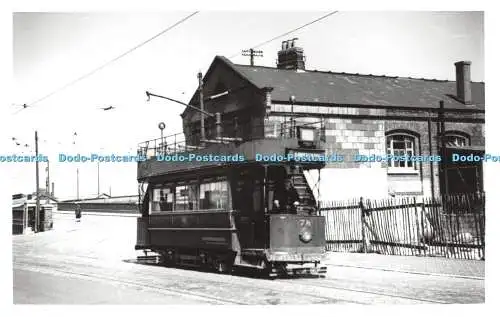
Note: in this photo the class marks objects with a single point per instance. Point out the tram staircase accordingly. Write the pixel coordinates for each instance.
(306, 195)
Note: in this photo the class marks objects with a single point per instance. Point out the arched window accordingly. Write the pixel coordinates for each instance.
(456, 139)
(403, 147)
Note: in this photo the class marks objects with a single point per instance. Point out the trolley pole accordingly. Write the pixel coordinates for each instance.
(202, 122)
(37, 210)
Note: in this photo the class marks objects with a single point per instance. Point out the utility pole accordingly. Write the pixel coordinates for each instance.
(98, 180)
(77, 170)
(77, 184)
(252, 53)
(37, 210)
(47, 182)
(442, 131)
(202, 122)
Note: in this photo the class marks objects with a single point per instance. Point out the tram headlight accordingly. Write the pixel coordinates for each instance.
(305, 235)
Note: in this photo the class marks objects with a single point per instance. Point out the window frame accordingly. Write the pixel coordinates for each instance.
(407, 136)
(213, 181)
(458, 134)
(174, 189)
(161, 187)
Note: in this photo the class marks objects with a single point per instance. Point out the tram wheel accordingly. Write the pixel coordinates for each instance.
(168, 258)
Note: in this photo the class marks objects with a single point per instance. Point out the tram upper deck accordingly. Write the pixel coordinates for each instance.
(172, 154)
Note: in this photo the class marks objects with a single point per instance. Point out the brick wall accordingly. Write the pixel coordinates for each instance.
(351, 131)
(421, 131)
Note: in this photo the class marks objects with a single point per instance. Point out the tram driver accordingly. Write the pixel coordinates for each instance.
(287, 198)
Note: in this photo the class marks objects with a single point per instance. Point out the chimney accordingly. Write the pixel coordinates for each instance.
(290, 56)
(464, 93)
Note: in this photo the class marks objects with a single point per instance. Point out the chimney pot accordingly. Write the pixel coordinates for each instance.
(291, 56)
(464, 90)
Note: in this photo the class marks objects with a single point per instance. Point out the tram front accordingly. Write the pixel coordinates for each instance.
(295, 229)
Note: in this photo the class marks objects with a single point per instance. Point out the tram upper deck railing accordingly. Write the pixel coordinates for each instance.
(178, 143)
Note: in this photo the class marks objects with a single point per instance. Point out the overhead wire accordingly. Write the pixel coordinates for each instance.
(289, 32)
(30, 105)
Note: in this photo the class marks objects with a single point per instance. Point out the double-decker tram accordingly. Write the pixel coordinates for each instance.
(233, 204)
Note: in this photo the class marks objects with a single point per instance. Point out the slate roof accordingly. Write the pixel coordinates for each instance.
(355, 89)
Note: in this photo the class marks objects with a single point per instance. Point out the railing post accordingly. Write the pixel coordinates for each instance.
(363, 232)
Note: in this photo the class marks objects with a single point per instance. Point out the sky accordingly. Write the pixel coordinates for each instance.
(51, 50)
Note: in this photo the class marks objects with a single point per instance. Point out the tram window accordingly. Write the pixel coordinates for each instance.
(193, 196)
(163, 199)
(214, 195)
(181, 198)
(186, 197)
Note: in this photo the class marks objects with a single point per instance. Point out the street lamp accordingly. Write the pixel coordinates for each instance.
(161, 126)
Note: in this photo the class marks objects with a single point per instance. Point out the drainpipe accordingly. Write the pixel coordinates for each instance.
(429, 127)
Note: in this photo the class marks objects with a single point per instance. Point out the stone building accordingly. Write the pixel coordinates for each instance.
(362, 115)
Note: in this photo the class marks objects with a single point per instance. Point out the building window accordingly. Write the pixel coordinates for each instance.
(456, 140)
(401, 146)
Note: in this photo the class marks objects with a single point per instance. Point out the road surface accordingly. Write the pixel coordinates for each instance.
(93, 262)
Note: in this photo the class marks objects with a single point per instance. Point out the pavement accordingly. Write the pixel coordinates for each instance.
(472, 269)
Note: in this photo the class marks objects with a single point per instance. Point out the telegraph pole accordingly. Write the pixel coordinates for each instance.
(47, 182)
(77, 184)
(444, 165)
(77, 170)
(252, 53)
(37, 210)
(202, 122)
(98, 180)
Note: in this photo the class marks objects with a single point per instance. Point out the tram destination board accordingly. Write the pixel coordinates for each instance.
(307, 156)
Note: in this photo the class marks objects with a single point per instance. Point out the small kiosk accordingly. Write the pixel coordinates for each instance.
(24, 210)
